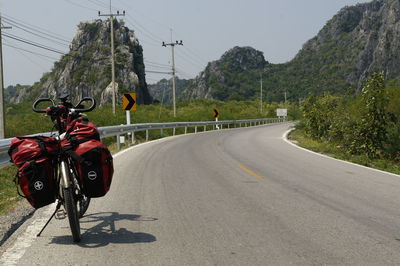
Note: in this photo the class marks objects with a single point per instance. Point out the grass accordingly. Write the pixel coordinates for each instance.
(324, 147)
(22, 121)
(8, 190)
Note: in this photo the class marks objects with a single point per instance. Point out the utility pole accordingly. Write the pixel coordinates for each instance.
(2, 113)
(172, 44)
(261, 94)
(111, 15)
(285, 97)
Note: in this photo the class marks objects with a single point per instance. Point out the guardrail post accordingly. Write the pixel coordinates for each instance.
(147, 135)
(195, 129)
(118, 142)
(133, 137)
(228, 126)
(222, 126)
(205, 128)
(185, 130)
(162, 132)
(173, 132)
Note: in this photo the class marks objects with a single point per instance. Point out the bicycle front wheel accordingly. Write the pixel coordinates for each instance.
(72, 212)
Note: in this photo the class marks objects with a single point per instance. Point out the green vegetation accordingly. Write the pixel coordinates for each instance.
(22, 121)
(8, 190)
(363, 129)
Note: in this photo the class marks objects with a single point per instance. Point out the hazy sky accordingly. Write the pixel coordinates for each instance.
(208, 28)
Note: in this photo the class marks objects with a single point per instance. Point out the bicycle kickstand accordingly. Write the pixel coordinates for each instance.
(51, 217)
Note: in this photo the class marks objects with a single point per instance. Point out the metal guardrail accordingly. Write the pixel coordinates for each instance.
(110, 131)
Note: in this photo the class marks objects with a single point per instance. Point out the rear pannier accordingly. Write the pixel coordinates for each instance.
(93, 160)
(34, 156)
(79, 131)
(94, 164)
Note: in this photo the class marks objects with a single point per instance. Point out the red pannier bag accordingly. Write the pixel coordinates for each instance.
(93, 160)
(94, 164)
(34, 156)
(79, 131)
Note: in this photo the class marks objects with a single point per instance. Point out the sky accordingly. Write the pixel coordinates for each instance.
(208, 28)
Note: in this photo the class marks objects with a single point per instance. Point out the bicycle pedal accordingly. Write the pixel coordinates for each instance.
(60, 214)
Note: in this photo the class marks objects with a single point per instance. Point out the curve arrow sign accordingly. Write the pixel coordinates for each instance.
(129, 101)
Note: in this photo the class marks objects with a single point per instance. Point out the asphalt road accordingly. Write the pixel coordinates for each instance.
(229, 197)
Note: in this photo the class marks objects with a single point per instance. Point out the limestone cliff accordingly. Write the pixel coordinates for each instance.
(86, 69)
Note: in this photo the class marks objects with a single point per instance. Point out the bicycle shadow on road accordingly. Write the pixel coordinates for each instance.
(99, 230)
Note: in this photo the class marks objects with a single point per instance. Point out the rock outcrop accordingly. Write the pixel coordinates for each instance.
(86, 69)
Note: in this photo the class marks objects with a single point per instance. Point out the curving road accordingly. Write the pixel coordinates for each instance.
(229, 197)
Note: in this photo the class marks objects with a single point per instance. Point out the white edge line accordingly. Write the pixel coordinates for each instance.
(13, 254)
(284, 137)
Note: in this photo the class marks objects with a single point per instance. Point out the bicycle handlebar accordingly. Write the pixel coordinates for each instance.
(86, 99)
(79, 110)
(36, 103)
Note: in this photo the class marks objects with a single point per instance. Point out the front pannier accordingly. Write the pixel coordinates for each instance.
(94, 164)
(33, 156)
(36, 181)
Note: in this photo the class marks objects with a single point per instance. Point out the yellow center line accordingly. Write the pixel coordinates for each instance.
(249, 171)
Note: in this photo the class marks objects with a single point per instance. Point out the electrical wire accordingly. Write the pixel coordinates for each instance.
(82, 6)
(38, 35)
(99, 3)
(32, 43)
(31, 52)
(35, 28)
(32, 61)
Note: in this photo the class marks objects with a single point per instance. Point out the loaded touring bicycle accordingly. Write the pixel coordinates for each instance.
(70, 168)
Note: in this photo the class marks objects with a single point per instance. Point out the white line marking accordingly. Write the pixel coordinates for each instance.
(13, 254)
(284, 137)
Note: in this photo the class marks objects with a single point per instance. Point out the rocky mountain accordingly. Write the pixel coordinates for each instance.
(86, 69)
(162, 90)
(356, 42)
(230, 78)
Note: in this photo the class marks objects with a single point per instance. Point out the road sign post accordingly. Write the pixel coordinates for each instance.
(129, 104)
(216, 114)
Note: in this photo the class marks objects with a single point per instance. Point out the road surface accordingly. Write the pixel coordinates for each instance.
(228, 197)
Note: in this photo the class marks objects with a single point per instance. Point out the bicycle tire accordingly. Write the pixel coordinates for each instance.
(83, 200)
(72, 213)
(83, 205)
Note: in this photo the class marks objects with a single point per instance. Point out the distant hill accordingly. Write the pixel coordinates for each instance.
(356, 42)
(162, 90)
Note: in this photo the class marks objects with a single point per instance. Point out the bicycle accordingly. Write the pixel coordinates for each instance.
(69, 192)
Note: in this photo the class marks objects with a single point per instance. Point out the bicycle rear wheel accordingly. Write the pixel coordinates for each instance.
(83, 205)
(72, 212)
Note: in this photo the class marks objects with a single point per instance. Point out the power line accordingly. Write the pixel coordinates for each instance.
(135, 11)
(32, 43)
(82, 6)
(193, 59)
(158, 72)
(160, 64)
(143, 30)
(189, 60)
(32, 61)
(38, 35)
(35, 28)
(31, 52)
(99, 3)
